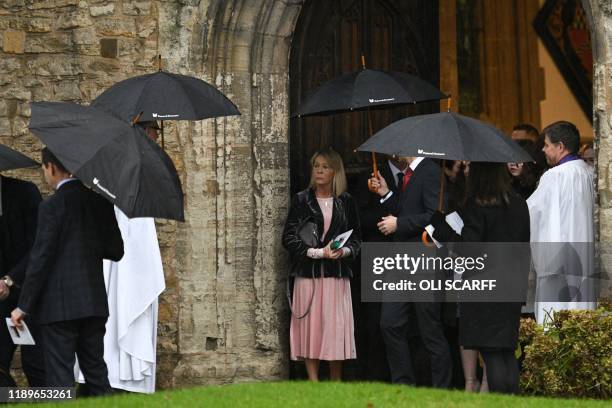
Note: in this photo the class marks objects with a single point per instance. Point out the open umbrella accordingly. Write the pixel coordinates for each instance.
(11, 159)
(447, 136)
(112, 157)
(365, 89)
(164, 96)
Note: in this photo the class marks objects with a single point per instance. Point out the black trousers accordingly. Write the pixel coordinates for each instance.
(502, 370)
(377, 368)
(395, 323)
(85, 337)
(32, 359)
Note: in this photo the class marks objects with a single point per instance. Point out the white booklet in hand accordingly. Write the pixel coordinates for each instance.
(453, 220)
(342, 238)
(20, 336)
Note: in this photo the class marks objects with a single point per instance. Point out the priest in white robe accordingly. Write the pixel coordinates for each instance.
(133, 285)
(561, 212)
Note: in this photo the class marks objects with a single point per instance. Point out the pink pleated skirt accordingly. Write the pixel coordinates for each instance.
(327, 332)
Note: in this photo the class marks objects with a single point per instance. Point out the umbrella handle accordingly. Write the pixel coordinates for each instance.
(136, 118)
(425, 240)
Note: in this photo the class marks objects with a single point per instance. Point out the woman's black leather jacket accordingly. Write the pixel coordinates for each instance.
(306, 219)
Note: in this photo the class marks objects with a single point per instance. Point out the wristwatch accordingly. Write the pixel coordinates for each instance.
(8, 281)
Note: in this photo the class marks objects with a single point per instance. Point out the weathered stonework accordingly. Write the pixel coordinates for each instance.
(223, 315)
(599, 13)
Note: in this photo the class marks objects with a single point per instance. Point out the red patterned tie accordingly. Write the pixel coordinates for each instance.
(407, 178)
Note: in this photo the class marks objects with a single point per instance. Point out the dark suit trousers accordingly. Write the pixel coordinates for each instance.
(395, 323)
(85, 337)
(31, 356)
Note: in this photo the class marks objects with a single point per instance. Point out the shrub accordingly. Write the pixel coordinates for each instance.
(570, 356)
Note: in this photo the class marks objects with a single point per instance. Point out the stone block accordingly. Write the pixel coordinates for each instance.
(53, 65)
(51, 4)
(103, 10)
(74, 19)
(15, 92)
(113, 27)
(14, 41)
(49, 43)
(9, 65)
(67, 90)
(128, 46)
(136, 8)
(38, 25)
(84, 36)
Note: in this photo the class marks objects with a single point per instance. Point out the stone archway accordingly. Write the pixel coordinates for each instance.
(232, 309)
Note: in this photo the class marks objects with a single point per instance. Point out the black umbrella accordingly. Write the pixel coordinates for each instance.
(112, 157)
(11, 159)
(164, 96)
(448, 136)
(368, 88)
(365, 89)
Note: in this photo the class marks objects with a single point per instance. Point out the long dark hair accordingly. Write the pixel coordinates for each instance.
(488, 184)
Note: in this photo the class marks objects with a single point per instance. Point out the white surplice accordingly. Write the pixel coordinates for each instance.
(561, 212)
(133, 285)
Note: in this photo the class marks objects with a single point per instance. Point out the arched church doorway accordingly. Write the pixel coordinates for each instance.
(328, 40)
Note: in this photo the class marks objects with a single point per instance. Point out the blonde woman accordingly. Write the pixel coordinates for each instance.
(322, 315)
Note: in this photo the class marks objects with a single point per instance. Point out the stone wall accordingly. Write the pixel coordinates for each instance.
(222, 316)
(599, 13)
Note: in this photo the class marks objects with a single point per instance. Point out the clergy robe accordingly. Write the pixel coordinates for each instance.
(133, 285)
(561, 212)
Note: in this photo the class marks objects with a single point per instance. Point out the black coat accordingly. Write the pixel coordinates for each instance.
(304, 206)
(489, 325)
(415, 206)
(371, 210)
(20, 200)
(64, 280)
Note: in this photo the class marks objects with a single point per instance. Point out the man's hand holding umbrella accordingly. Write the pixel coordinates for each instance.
(388, 224)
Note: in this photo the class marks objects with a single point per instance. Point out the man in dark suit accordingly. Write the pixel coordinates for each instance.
(413, 206)
(64, 283)
(371, 211)
(18, 212)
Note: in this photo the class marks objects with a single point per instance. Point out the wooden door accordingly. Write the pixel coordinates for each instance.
(328, 41)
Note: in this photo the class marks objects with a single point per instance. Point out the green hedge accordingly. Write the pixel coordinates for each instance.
(570, 356)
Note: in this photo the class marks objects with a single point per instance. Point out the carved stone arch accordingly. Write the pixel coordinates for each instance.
(232, 321)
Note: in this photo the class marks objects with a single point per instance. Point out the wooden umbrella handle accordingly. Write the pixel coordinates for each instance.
(425, 240)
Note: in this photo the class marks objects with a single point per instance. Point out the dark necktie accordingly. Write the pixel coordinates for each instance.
(400, 180)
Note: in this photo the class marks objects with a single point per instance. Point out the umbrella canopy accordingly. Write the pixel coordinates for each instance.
(368, 88)
(112, 157)
(11, 159)
(448, 136)
(164, 96)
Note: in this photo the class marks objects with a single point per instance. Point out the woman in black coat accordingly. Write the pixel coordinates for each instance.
(322, 326)
(492, 212)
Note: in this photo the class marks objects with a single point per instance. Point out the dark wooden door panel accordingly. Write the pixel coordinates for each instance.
(330, 37)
